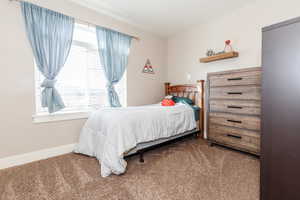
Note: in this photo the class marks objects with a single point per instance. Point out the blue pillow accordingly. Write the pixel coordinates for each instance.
(184, 100)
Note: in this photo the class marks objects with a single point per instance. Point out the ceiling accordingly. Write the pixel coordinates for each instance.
(163, 17)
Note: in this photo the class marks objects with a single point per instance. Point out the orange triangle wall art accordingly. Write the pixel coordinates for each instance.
(148, 69)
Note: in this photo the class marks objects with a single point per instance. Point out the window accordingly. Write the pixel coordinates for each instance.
(81, 82)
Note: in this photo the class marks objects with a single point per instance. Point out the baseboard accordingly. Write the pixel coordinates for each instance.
(205, 134)
(35, 156)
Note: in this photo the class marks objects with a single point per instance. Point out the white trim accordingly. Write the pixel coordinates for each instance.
(205, 135)
(35, 156)
(42, 118)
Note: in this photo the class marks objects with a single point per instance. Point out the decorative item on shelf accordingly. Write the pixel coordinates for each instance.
(210, 52)
(228, 47)
(225, 54)
(221, 52)
(148, 69)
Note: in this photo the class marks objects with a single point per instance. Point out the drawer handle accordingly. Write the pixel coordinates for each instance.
(234, 136)
(235, 107)
(232, 93)
(235, 79)
(234, 121)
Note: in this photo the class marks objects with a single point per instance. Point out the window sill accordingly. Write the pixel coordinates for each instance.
(44, 118)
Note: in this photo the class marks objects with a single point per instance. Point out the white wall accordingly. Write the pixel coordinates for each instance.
(242, 26)
(18, 135)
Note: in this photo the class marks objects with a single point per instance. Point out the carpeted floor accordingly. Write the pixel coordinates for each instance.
(186, 170)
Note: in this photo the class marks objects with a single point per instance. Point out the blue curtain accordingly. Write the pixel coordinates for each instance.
(114, 49)
(50, 35)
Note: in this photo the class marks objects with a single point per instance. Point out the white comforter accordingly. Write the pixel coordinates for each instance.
(110, 132)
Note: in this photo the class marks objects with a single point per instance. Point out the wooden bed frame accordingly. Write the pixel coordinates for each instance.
(195, 92)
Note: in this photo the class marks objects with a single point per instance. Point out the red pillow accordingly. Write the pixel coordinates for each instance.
(167, 102)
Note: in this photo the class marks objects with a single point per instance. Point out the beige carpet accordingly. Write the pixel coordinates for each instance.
(185, 170)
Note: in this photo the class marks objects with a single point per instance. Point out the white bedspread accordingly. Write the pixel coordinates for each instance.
(110, 132)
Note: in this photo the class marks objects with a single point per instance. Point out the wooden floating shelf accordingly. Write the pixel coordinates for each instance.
(219, 57)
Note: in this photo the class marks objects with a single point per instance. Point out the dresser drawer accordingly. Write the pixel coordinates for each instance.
(236, 92)
(235, 106)
(235, 120)
(243, 139)
(234, 79)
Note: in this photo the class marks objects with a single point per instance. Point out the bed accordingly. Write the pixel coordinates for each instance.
(112, 134)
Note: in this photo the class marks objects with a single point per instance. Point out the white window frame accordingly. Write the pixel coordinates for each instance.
(66, 115)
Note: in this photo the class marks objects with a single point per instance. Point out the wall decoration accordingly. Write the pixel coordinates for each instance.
(210, 52)
(228, 52)
(228, 47)
(148, 69)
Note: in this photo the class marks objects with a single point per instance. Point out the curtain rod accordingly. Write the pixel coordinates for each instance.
(91, 24)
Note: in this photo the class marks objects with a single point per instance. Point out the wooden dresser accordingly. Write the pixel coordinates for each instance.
(234, 107)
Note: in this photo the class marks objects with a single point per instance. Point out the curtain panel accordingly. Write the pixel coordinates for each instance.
(114, 48)
(50, 35)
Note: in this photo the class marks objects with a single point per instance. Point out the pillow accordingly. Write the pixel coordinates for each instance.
(184, 100)
(167, 102)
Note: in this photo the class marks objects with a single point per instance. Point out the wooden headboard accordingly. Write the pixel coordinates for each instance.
(195, 92)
